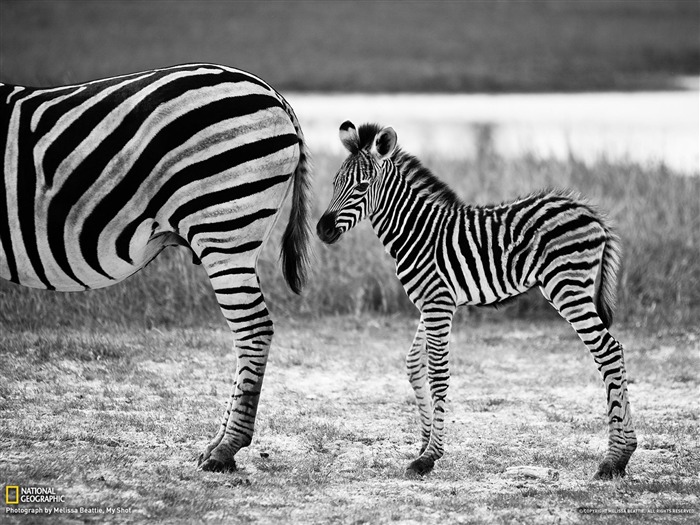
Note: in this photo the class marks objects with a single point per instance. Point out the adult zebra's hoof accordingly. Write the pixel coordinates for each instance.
(419, 467)
(608, 470)
(214, 465)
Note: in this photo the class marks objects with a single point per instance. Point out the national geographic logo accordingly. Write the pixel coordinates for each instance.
(14, 495)
(28, 500)
(11, 495)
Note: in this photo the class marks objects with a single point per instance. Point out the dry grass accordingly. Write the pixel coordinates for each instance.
(117, 419)
(656, 212)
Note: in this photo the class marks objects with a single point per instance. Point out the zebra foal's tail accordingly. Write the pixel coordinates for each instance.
(296, 238)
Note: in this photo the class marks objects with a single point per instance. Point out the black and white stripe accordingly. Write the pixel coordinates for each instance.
(99, 177)
(450, 254)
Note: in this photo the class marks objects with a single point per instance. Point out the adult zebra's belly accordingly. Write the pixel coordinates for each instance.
(79, 274)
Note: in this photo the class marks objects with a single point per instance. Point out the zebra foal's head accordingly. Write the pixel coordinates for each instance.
(355, 184)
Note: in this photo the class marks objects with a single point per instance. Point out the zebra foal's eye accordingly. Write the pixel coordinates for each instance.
(362, 186)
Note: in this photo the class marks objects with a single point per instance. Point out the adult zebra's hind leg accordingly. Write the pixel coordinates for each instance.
(242, 303)
(417, 369)
(576, 304)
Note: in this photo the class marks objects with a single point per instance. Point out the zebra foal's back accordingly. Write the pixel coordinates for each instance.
(497, 252)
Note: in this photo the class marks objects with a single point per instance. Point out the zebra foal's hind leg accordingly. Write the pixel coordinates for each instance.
(242, 303)
(417, 369)
(577, 305)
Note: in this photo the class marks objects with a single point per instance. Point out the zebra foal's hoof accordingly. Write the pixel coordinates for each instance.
(214, 465)
(419, 467)
(607, 470)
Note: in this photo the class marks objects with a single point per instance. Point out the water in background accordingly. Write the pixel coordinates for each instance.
(658, 127)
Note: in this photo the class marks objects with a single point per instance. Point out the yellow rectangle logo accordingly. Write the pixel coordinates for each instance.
(11, 500)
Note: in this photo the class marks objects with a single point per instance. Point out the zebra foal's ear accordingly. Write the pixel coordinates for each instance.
(384, 143)
(349, 136)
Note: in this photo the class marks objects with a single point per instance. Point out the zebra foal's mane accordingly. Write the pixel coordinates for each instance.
(426, 183)
(412, 170)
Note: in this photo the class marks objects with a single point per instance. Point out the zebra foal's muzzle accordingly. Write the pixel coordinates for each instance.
(326, 228)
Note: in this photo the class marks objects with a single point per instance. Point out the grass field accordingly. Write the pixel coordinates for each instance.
(110, 395)
(117, 419)
(656, 213)
(449, 46)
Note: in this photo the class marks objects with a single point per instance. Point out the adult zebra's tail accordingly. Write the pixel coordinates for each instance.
(606, 294)
(296, 238)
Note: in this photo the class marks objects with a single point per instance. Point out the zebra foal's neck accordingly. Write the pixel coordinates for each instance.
(411, 203)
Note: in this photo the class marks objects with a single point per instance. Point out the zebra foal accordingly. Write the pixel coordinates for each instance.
(98, 178)
(449, 254)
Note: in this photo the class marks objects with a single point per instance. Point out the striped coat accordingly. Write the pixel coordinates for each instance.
(450, 254)
(99, 177)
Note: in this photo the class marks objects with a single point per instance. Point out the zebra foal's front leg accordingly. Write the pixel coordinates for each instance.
(243, 305)
(417, 369)
(438, 323)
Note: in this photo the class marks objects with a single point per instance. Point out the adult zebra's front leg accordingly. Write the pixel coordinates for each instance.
(437, 320)
(242, 303)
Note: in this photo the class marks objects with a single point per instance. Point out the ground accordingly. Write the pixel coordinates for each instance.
(117, 419)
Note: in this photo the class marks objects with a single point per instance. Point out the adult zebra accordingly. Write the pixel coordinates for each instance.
(449, 254)
(99, 177)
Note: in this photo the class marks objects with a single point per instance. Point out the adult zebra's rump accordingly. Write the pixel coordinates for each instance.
(449, 254)
(99, 177)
